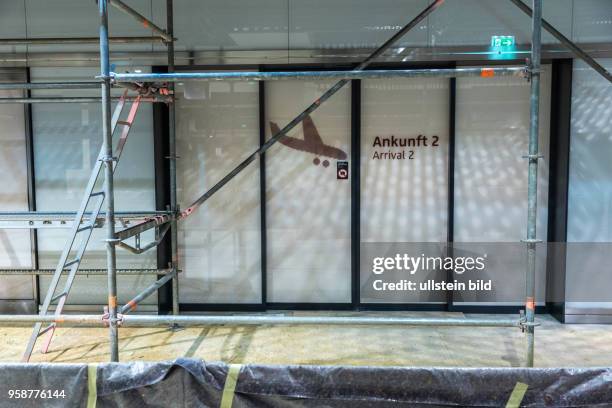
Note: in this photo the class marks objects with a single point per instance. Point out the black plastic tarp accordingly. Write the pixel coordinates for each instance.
(195, 383)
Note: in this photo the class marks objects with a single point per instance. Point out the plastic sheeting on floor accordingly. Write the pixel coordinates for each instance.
(195, 383)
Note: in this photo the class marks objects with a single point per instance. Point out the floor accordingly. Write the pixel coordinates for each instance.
(556, 344)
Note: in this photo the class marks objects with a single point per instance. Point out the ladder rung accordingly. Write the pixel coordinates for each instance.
(124, 123)
(69, 263)
(85, 227)
(96, 193)
(46, 329)
(58, 296)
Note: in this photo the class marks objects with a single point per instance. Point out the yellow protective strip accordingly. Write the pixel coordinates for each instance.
(92, 388)
(230, 385)
(517, 395)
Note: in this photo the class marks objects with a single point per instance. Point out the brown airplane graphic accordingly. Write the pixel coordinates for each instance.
(312, 143)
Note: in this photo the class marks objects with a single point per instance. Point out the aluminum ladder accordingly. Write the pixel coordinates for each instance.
(83, 227)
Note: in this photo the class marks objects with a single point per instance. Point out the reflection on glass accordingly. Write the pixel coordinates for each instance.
(589, 218)
(15, 247)
(404, 172)
(219, 245)
(308, 207)
(67, 140)
(492, 131)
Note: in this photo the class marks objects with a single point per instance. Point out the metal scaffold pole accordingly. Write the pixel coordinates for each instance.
(172, 157)
(319, 75)
(78, 40)
(254, 320)
(532, 188)
(107, 142)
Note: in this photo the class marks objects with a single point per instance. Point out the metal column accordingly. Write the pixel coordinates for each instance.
(532, 189)
(107, 143)
(172, 158)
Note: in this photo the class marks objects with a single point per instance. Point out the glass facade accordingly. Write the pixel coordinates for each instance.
(404, 183)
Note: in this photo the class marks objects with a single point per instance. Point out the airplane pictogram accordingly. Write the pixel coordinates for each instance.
(312, 143)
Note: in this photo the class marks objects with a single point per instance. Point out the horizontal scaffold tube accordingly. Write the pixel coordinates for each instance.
(133, 272)
(46, 219)
(50, 85)
(82, 99)
(369, 74)
(241, 320)
(78, 40)
(69, 215)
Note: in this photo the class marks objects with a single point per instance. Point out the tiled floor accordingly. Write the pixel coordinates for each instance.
(556, 344)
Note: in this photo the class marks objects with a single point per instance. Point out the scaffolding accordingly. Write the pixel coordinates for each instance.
(157, 87)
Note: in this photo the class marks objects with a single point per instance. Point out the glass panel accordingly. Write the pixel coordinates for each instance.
(219, 244)
(230, 24)
(592, 21)
(473, 22)
(492, 133)
(589, 218)
(308, 208)
(404, 172)
(70, 18)
(15, 246)
(67, 139)
(351, 24)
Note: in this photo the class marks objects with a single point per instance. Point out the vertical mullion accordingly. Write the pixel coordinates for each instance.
(560, 133)
(355, 178)
(162, 192)
(31, 177)
(262, 193)
(450, 229)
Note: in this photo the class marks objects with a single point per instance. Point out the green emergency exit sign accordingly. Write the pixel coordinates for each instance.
(498, 41)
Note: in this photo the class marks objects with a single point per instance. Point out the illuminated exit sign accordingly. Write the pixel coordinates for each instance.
(502, 41)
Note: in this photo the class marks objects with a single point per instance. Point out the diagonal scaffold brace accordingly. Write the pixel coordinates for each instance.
(129, 232)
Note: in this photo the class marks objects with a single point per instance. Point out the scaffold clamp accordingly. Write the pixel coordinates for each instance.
(531, 241)
(533, 156)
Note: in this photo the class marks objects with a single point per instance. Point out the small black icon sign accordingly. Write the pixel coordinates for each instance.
(342, 171)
